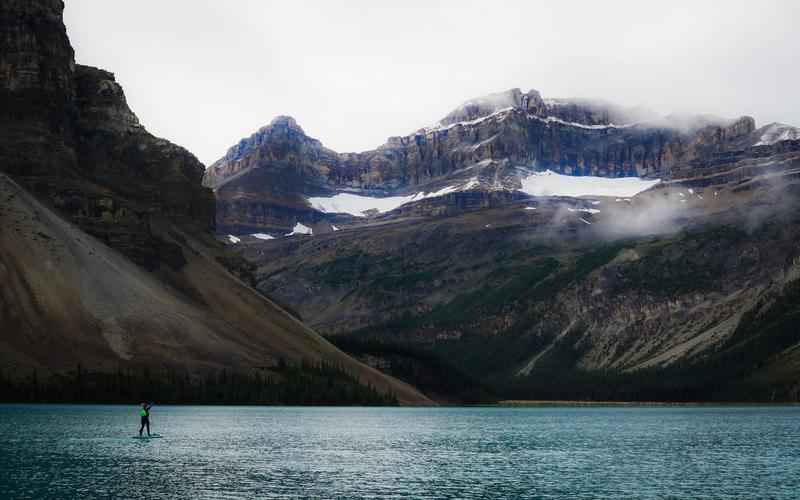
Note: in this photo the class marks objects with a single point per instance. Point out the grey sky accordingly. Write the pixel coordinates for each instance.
(205, 74)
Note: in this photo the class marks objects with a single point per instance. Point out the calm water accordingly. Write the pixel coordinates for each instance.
(243, 452)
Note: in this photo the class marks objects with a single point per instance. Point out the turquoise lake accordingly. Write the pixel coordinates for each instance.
(54, 451)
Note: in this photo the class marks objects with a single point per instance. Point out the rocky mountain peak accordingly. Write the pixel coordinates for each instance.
(486, 105)
(283, 140)
(775, 132)
(716, 132)
(281, 130)
(102, 101)
(581, 111)
(283, 121)
(741, 126)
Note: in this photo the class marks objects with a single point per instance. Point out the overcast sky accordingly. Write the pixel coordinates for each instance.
(204, 74)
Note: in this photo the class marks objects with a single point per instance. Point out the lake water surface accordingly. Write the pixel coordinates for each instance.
(268, 452)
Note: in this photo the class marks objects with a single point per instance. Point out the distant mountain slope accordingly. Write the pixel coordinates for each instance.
(685, 291)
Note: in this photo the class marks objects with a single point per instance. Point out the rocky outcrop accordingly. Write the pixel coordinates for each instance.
(37, 90)
(102, 103)
(114, 150)
(739, 166)
(69, 136)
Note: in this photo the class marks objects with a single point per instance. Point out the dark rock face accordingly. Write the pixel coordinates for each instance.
(37, 105)
(102, 103)
(262, 182)
(69, 136)
(119, 153)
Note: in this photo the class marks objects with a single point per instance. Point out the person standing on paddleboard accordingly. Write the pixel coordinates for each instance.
(145, 414)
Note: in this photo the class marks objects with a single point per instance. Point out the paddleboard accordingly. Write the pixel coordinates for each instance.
(151, 436)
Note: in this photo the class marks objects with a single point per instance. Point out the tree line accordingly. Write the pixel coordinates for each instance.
(305, 383)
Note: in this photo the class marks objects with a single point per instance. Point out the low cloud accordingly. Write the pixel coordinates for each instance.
(644, 217)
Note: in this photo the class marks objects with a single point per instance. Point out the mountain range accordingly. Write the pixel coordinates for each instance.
(280, 176)
(534, 248)
(521, 247)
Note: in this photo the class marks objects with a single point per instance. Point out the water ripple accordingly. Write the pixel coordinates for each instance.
(475, 453)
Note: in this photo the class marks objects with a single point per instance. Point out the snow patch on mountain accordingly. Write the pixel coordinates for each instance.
(300, 229)
(262, 236)
(777, 132)
(550, 183)
(439, 126)
(553, 119)
(360, 206)
(474, 182)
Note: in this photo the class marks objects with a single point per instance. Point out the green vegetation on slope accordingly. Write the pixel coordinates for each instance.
(522, 289)
(511, 284)
(666, 272)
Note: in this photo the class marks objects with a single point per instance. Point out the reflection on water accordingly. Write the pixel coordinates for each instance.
(247, 452)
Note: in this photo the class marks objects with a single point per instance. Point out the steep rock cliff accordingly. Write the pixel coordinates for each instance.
(70, 137)
(37, 89)
(143, 294)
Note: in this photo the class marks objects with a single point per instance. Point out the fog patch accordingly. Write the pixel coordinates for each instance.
(644, 217)
(777, 198)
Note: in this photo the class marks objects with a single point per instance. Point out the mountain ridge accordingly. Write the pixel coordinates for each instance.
(265, 182)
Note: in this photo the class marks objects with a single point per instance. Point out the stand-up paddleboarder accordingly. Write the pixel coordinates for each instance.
(145, 414)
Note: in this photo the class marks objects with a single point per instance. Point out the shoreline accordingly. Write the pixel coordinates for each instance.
(522, 403)
(510, 403)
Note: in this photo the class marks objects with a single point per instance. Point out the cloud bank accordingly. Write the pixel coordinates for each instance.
(205, 74)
